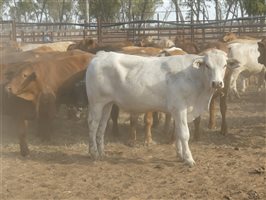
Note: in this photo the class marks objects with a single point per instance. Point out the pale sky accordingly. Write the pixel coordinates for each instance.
(167, 6)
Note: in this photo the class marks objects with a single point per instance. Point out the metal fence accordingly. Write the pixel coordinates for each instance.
(199, 31)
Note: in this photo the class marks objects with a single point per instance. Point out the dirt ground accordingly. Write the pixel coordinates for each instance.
(230, 167)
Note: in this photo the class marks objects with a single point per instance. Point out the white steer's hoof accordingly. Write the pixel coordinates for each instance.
(191, 162)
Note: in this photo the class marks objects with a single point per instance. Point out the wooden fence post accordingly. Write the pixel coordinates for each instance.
(99, 30)
(22, 36)
(158, 26)
(14, 31)
(33, 36)
(203, 27)
(84, 33)
(192, 27)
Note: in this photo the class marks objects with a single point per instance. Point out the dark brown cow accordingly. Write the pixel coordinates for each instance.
(46, 84)
(262, 50)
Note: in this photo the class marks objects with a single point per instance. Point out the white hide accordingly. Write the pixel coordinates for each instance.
(180, 85)
(247, 54)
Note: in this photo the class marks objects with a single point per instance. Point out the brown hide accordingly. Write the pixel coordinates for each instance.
(189, 47)
(40, 76)
(91, 46)
(217, 45)
(262, 50)
(141, 51)
(42, 82)
(83, 45)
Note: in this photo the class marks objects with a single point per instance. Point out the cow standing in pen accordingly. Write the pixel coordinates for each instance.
(180, 85)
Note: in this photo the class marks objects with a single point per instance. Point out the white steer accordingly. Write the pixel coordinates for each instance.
(181, 85)
(247, 54)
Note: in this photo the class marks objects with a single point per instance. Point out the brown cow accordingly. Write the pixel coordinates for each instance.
(83, 45)
(189, 47)
(45, 84)
(262, 50)
(90, 45)
(141, 51)
(19, 109)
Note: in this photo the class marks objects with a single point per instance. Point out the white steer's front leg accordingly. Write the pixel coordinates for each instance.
(182, 135)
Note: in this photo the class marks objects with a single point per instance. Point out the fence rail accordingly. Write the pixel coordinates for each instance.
(116, 32)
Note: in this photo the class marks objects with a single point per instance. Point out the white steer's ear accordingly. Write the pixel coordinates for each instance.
(198, 62)
(232, 63)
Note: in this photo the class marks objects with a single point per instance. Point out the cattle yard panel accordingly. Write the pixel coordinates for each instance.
(132, 31)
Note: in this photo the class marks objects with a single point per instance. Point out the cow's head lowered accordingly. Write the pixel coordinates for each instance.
(24, 83)
(213, 64)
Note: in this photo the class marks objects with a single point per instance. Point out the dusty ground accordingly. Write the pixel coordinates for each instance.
(230, 167)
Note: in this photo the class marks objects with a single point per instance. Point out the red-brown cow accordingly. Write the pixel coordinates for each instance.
(45, 84)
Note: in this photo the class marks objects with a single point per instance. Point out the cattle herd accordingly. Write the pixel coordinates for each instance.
(178, 78)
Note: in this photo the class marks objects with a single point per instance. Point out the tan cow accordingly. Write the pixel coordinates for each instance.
(230, 36)
(92, 46)
(56, 46)
(162, 43)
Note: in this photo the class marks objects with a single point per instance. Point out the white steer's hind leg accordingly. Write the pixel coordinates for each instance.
(182, 133)
(94, 117)
(101, 129)
(178, 146)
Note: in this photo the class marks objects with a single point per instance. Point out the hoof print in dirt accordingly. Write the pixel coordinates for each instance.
(259, 171)
(253, 195)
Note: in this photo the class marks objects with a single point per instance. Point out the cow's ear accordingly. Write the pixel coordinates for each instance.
(232, 63)
(198, 62)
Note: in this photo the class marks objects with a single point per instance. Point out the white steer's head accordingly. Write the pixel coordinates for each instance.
(213, 63)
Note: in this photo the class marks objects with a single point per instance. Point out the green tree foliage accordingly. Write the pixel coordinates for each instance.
(122, 10)
(106, 10)
(255, 7)
(59, 10)
(21, 10)
(144, 9)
